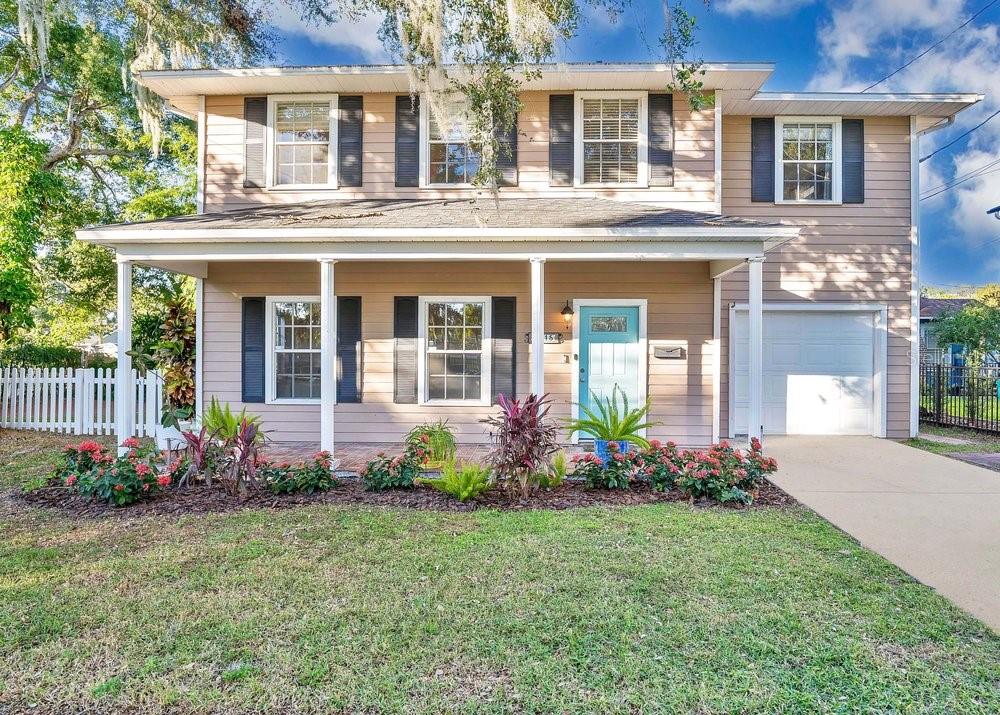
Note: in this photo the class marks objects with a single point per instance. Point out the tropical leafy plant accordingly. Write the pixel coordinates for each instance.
(203, 455)
(522, 441)
(613, 421)
(438, 441)
(465, 481)
(222, 423)
(242, 455)
(554, 476)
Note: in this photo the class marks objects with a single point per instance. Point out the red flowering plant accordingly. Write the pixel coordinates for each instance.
(659, 465)
(724, 473)
(119, 480)
(621, 468)
(383, 472)
(313, 476)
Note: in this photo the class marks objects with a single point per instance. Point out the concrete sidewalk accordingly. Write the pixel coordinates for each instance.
(936, 518)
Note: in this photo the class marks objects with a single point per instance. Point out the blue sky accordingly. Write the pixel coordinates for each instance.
(845, 44)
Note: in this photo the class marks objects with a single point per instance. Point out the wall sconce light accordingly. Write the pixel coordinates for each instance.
(567, 313)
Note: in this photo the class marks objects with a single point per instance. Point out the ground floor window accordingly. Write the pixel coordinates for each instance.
(295, 358)
(456, 349)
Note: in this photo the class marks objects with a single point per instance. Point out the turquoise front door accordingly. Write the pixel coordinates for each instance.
(609, 353)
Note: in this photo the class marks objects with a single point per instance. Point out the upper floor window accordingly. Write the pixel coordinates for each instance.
(611, 138)
(302, 150)
(452, 158)
(808, 159)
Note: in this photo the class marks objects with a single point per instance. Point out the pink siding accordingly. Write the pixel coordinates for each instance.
(854, 252)
(679, 313)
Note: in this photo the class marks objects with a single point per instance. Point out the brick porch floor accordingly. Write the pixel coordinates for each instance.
(354, 455)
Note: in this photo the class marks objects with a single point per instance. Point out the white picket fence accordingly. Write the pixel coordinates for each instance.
(77, 401)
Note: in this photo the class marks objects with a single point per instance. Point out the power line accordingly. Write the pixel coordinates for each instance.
(960, 136)
(955, 181)
(949, 187)
(936, 44)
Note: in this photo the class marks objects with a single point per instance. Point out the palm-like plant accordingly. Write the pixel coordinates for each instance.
(613, 422)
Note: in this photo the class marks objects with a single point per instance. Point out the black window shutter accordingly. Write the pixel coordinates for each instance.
(349, 352)
(350, 132)
(507, 159)
(254, 122)
(853, 154)
(560, 139)
(762, 159)
(253, 349)
(404, 326)
(661, 139)
(504, 331)
(407, 140)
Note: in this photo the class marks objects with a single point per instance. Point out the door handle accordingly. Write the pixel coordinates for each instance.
(583, 370)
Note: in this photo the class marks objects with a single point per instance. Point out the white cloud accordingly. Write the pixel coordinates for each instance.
(865, 40)
(761, 7)
(358, 35)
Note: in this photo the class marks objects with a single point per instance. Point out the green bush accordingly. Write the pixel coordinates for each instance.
(613, 422)
(222, 423)
(308, 477)
(556, 473)
(24, 354)
(464, 482)
(616, 474)
(397, 472)
(92, 472)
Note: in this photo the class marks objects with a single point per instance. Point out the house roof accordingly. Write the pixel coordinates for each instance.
(931, 308)
(465, 218)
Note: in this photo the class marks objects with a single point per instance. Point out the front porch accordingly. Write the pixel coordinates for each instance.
(369, 299)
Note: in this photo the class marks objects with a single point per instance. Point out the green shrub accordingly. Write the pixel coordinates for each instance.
(397, 472)
(660, 465)
(222, 423)
(90, 471)
(308, 477)
(723, 473)
(464, 482)
(556, 473)
(438, 441)
(24, 354)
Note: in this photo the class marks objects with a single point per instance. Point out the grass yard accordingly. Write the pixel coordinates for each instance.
(334, 609)
(976, 441)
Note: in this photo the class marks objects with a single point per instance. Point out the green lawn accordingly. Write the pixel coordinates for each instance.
(332, 609)
(958, 406)
(975, 441)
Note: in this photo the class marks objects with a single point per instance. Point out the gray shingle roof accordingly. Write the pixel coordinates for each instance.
(452, 213)
(936, 307)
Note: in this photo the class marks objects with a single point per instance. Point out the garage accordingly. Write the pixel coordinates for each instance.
(821, 370)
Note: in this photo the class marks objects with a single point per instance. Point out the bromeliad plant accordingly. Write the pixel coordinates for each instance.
(522, 442)
(465, 481)
(612, 421)
(437, 440)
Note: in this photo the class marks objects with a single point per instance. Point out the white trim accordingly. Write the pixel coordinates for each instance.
(332, 155)
(537, 349)
(642, 144)
(755, 361)
(866, 97)
(914, 278)
(880, 342)
(717, 153)
(199, 343)
(578, 303)
(269, 366)
(836, 166)
(124, 377)
(328, 354)
(202, 127)
(423, 153)
(486, 377)
(716, 359)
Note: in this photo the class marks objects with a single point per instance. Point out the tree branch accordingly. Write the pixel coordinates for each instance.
(13, 75)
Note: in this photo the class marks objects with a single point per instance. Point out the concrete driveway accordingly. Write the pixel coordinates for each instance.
(936, 518)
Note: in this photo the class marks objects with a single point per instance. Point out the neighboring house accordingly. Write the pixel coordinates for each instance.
(750, 267)
(930, 310)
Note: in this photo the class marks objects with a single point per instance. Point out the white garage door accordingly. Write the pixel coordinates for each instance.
(818, 372)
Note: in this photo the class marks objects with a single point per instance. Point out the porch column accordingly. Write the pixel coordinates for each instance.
(124, 381)
(538, 326)
(328, 353)
(756, 357)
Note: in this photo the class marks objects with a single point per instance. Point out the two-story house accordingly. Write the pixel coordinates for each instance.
(750, 268)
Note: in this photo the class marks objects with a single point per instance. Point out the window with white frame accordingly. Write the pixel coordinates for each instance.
(451, 158)
(456, 354)
(303, 152)
(612, 138)
(295, 358)
(809, 156)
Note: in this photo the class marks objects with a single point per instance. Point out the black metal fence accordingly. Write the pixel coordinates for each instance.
(960, 396)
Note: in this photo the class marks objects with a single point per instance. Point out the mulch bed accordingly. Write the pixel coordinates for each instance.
(200, 500)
